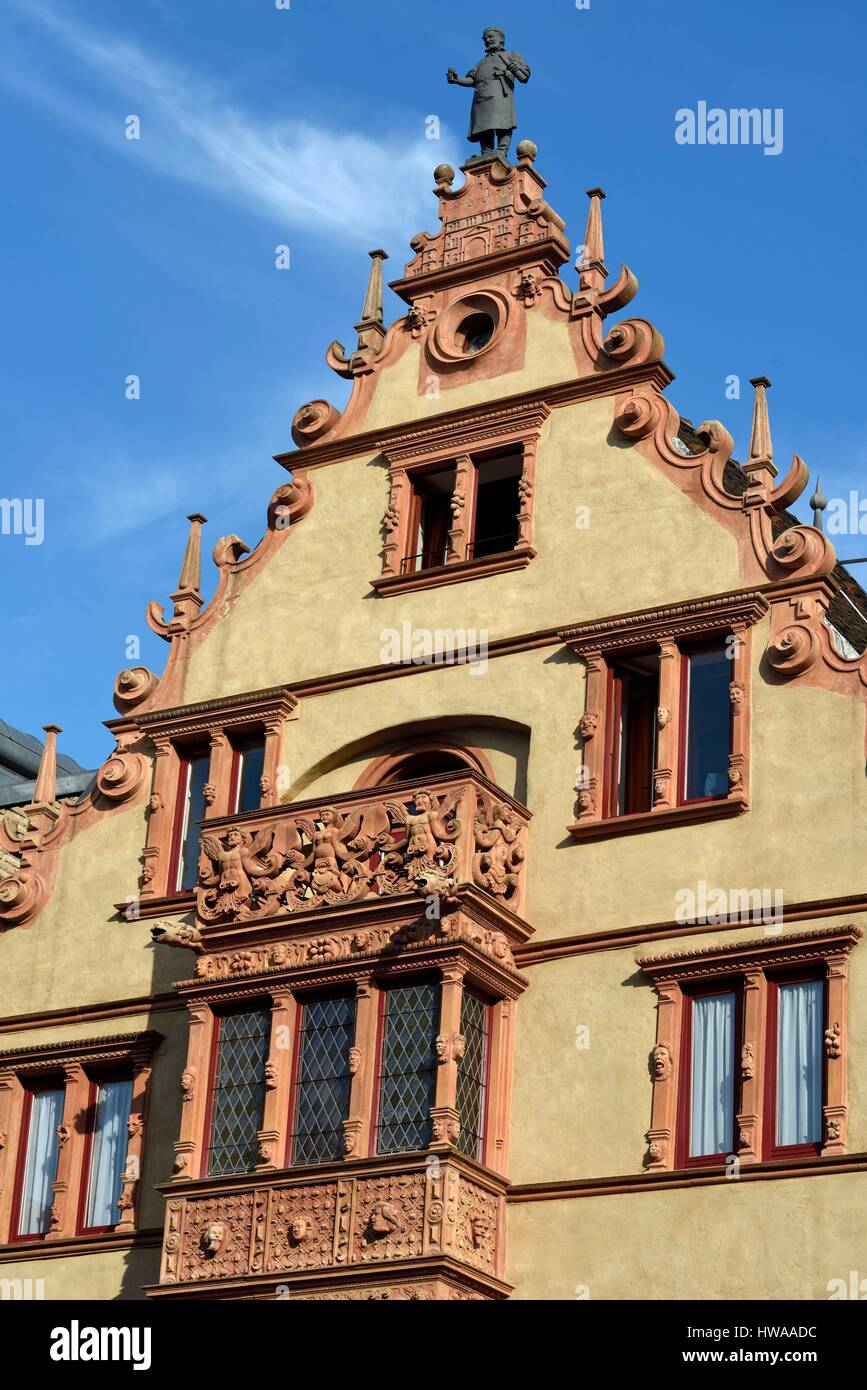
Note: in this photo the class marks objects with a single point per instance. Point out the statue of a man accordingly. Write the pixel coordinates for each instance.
(493, 117)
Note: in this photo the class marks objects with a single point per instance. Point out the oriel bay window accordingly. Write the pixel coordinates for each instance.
(665, 728)
(750, 1053)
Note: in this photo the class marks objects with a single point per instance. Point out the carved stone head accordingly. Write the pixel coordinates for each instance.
(299, 1229)
(660, 1062)
(588, 724)
(212, 1237)
(480, 1228)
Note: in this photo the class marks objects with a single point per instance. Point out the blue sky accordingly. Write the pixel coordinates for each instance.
(306, 127)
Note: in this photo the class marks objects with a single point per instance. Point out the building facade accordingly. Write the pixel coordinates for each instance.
(472, 908)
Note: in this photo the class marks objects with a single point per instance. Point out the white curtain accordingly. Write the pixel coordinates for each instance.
(799, 1063)
(108, 1152)
(713, 1045)
(40, 1169)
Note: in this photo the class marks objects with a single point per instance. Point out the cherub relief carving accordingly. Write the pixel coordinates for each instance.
(500, 852)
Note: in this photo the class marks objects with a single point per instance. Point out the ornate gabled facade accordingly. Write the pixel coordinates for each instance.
(487, 850)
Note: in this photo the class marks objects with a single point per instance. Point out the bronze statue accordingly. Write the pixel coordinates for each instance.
(493, 117)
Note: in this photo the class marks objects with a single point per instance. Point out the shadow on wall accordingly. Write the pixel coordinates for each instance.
(497, 748)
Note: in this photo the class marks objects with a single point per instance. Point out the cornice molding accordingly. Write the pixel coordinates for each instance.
(738, 608)
(748, 955)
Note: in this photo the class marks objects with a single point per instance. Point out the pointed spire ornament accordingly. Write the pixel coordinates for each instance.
(818, 502)
(371, 328)
(187, 598)
(761, 445)
(592, 267)
(45, 791)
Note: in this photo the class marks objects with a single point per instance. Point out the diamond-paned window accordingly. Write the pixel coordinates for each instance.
(407, 1067)
(238, 1090)
(324, 1079)
(472, 1074)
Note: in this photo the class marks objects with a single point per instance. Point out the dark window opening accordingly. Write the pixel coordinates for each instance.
(475, 332)
(417, 766)
(248, 764)
(430, 520)
(634, 698)
(495, 527)
(190, 809)
(707, 673)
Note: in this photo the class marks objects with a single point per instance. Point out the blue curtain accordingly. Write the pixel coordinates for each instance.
(40, 1168)
(799, 1063)
(108, 1152)
(713, 1046)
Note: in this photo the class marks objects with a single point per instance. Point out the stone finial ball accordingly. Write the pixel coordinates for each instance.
(444, 173)
(526, 149)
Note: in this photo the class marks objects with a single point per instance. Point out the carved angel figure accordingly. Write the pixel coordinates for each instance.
(228, 865)
(500, 853)
(430, 830)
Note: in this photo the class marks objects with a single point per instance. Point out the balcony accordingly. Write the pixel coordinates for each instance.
(416, 1226)
(459, 831)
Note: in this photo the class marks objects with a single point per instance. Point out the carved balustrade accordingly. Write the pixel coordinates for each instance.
(430, 840)
(414, 1227)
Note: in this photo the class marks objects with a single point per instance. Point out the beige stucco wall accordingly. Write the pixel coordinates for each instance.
(738, 1240)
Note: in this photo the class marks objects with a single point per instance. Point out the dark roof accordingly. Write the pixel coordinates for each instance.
(848, 614)
(19, 764)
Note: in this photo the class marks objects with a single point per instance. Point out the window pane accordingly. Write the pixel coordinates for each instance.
(324, 1078)
(40, 1166)
(252, 756)
(472, 1069)
(194, 810)
(239, 1090)
(408, 1074)
(799, 1063)
(708, 734)
(108, 1153)
(713, 1045)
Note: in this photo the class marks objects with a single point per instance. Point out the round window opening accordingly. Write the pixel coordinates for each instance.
(475, 332)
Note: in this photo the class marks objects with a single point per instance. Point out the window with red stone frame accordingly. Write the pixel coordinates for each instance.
(694, 1060)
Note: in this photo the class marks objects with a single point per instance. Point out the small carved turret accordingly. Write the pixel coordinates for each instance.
(187, 598)
(591, 265)
(45, 791)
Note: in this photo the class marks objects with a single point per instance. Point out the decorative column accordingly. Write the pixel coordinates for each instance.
(274, 1134)
(666, 772)
(663, 1069)
(358, 1129)
(526, 491)
(495, 1152)
(461, 509)
(70, 1143)
(752, 1068)
(161, 809)
(191, 1147)
(739, 761)
(270, 785)
(834, 1110)
(445, 1119)
(395, 522)
(135, 1132)
(218, 788)
(594, 734)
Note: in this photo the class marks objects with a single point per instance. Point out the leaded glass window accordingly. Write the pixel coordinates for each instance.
(407, 1067)
(238, 1090)
(324, 1079)
(472, 1074)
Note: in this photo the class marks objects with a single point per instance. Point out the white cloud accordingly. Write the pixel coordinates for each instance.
(301, 174)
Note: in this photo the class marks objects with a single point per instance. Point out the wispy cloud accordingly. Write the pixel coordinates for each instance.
(297, 172)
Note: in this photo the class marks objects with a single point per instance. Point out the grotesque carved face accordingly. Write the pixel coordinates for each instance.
(661, 1061)
(442, 1047)
(212, 1237)
(422, 801)
(299, 1228)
